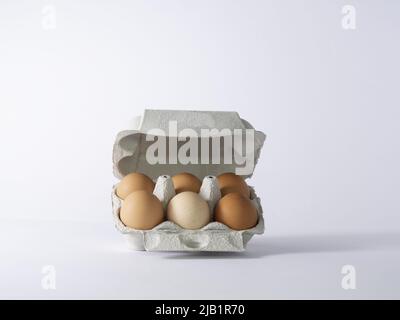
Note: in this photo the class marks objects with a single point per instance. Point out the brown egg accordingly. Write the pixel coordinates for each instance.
(186, 182)
(141, 210)
(133, 182)
(230, 182)
(236, 211)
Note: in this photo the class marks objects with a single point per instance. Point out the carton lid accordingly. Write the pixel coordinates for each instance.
(200, 142)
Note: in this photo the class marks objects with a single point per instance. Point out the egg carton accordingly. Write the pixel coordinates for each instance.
(129, 156)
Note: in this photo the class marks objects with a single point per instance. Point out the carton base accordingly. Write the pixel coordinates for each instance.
(168, 236)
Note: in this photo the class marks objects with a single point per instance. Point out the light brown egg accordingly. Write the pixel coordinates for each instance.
(188, 210)
(141, 210)
(133, 182)
(186, 182)
(230, 182)
(236, 211)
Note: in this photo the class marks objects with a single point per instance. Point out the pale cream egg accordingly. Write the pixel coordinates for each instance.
(188, 210)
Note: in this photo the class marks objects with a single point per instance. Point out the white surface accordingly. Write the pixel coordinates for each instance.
(327, 98)
(91, 262)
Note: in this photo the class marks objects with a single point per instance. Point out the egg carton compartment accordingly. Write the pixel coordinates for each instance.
(129, 155)
(168, 236)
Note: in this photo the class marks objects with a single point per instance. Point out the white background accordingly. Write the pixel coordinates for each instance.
(327, 98)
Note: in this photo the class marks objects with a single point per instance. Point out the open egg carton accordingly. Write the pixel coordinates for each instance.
(129, 155)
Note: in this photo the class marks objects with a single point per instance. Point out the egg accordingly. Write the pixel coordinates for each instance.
(230, 182)
(133, 182)
(141, 210)
(188, 210)
(236, 211)
(186, 182)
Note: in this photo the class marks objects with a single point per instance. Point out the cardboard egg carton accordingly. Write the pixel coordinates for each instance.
(129, 155)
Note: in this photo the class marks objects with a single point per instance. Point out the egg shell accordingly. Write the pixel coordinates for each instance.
(141, 210)
(230, 182)
(133, 182)
(186, 182)
(188, 210)
(236, 211)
